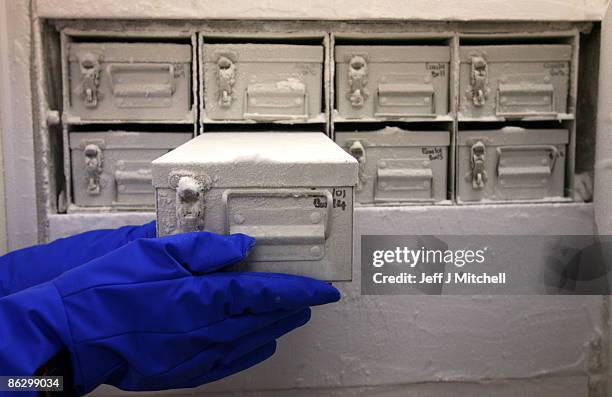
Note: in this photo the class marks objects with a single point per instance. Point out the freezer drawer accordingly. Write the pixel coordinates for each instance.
(390, 82)
(514, 81)
(511, 164)
(293, 192)
(263, 82)
(129, 82)
(113, 168)
(399, 166)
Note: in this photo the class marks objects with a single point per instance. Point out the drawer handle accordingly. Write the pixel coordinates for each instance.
(134, 181)
(528, 169)
(404, 179)
(121, 85)
(395, 99)
(285, 99)
(400, 180)
(525, 99)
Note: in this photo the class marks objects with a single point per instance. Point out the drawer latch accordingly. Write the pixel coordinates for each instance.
(93, 168)
(190, 204)
(358, 79)
(226, 75)
(479, 80)
(90, 78)
(477, 163)
(357, 150)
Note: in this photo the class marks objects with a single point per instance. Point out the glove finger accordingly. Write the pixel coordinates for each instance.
(204, 252)
(264, 336)
(224, 354)
(170, 258)
(247, 361)
(129, 306)
(230, 294)
(26, 267)
(133, 382)
(173, 348)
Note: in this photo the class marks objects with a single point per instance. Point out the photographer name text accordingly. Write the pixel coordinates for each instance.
(440, 278)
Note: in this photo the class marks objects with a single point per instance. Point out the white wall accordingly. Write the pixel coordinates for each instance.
(3, 239)
(549, 10)
(17, 134)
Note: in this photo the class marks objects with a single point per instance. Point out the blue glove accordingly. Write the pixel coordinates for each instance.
(156, 314)
(31, 266)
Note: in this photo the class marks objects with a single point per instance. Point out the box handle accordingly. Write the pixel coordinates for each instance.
(525, 99)
(395, 99)
(531, 170)
(228, 194)
(282, 234)
(123, 86)
(293, 232)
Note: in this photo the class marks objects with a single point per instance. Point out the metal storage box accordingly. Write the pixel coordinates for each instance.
(514, 81)
(399, 166)
(114, 168)
(263, 82)
(293, 192)
(129, 82)
(511, 164)
(385, 82)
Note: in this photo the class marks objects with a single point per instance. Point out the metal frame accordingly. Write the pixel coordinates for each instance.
(51, 224)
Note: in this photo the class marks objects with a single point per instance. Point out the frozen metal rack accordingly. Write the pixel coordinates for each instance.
(166, 80)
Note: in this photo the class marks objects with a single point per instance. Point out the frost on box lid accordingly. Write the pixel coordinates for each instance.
(261, 159)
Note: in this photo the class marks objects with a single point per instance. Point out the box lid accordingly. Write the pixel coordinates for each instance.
(518, 52)
(515, 136)
(393, 54)
(133, 52)
(264, 53)
(129, 140)
(397, 137)
(260, 159)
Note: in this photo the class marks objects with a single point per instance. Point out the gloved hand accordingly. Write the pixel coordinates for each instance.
(31, 266)
(156, 314)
